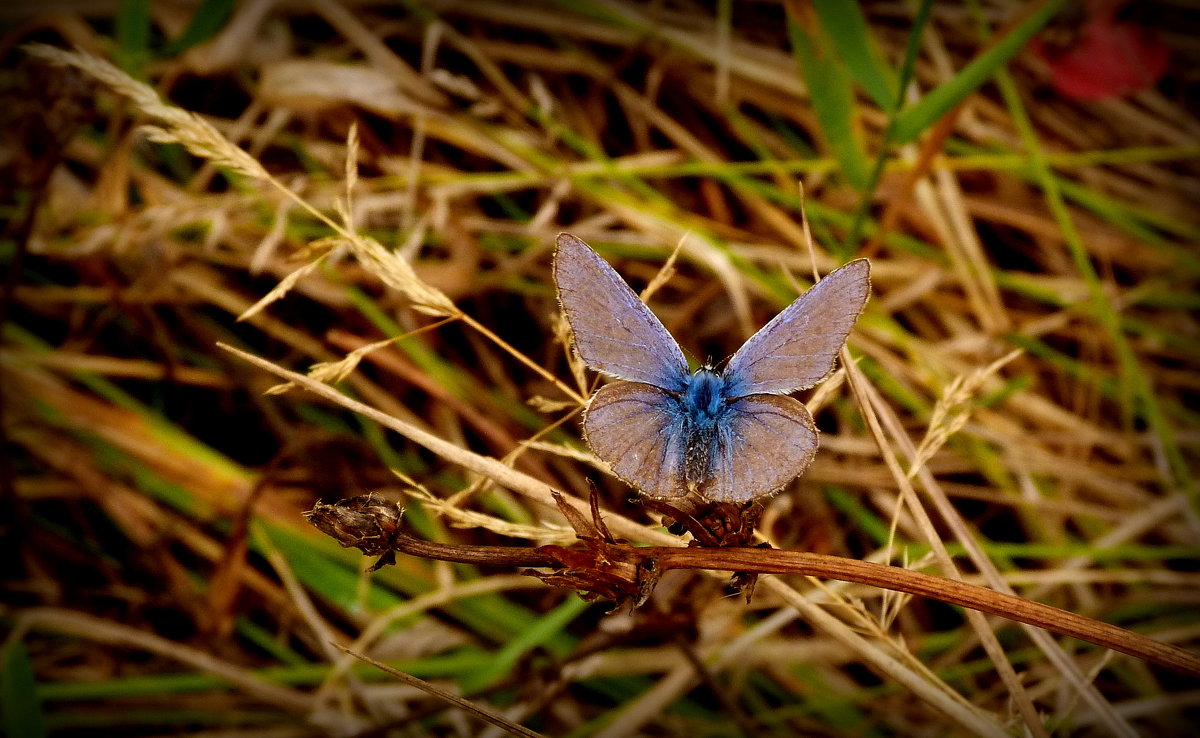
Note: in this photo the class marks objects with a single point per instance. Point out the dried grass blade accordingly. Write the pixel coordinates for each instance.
(470, 707)
(874, 407)
(991, 645)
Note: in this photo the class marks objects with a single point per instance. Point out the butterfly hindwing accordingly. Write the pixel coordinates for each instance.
(638, 430)
(797, 348)
(763, 443)
(615, 333)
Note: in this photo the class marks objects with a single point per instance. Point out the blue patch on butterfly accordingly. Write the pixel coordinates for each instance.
(731, 435)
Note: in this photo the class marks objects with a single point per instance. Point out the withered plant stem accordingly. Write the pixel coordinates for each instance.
(775, 561)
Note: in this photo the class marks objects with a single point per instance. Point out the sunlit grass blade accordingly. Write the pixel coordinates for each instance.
(847, 29)
(831, 89)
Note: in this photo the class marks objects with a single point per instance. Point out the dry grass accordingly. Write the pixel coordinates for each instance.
(370, 192)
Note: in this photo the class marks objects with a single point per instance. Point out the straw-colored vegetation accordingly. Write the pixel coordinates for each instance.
(368, 193)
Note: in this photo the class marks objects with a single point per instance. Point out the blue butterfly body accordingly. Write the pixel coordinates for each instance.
(730, 435)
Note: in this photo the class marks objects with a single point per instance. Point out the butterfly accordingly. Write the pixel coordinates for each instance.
(730, 435)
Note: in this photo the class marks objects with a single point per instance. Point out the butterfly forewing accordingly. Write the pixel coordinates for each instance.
(797, 348)
(615, 333)
(766, 442)
(638, 430)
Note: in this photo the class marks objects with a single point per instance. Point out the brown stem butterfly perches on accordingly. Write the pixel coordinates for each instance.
(603, 567)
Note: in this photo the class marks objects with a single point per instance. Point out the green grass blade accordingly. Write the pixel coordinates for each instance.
(941, 100)
(847, 28)
(544, 629)
(18, 695)
(911, 49)
(133, 36)
(832, 94)
(208, 19)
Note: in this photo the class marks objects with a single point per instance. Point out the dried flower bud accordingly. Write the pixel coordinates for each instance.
(366, 522)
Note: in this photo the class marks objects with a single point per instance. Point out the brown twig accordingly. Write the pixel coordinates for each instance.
(953, 592)
(607, 561)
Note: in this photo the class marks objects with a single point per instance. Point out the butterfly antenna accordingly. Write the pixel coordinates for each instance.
(720, 365)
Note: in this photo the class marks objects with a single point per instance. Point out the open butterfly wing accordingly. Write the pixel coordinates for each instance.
(637, 429)
(615, 333)
(797, 348)
(764, 443)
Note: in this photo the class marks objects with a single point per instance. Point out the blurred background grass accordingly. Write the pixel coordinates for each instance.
(158, 577)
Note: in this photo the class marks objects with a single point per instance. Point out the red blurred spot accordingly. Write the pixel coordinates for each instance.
(1102, 56)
